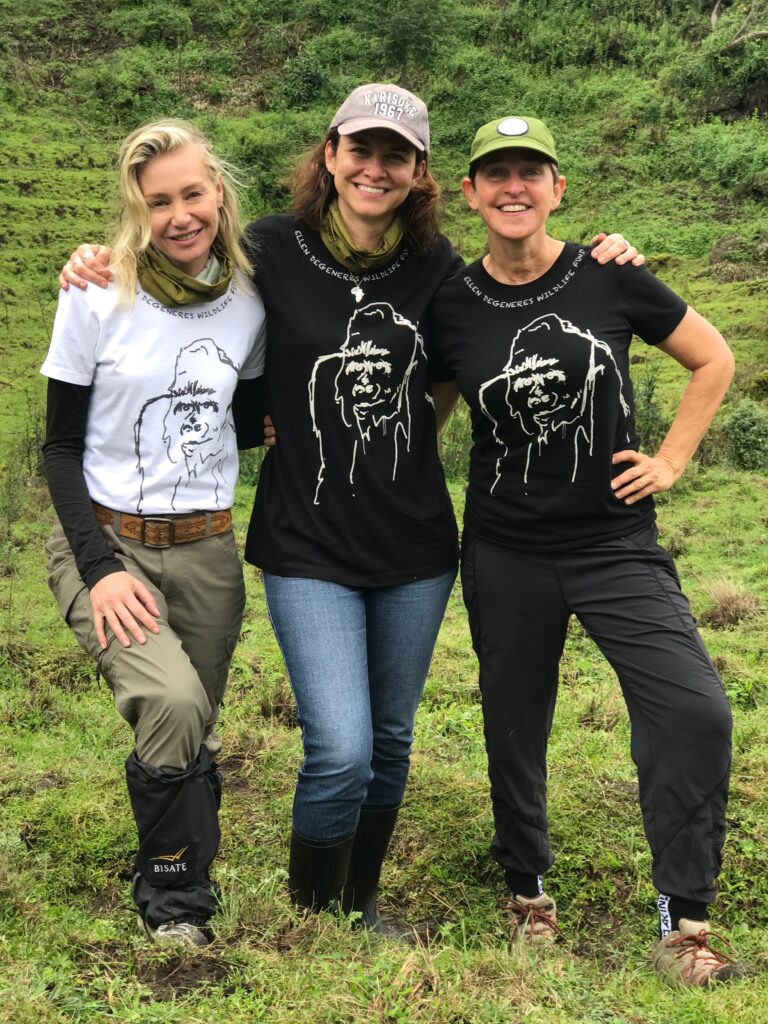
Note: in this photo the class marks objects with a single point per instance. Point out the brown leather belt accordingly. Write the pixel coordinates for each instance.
(164, 531)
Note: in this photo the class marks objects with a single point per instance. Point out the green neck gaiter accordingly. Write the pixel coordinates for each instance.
(171, 286)
(336, 239)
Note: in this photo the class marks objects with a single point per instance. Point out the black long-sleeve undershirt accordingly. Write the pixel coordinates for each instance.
(67, 416)
(249, 406)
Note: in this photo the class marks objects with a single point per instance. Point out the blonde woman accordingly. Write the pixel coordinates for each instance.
(142, 462)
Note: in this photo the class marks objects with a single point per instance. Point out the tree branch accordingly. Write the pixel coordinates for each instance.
(744, 23)
(740, 40)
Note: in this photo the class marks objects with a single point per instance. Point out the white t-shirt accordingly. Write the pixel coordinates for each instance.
(160, 436)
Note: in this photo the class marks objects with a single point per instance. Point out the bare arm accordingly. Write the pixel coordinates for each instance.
(89, 263)
(700, 348)
(445, 395)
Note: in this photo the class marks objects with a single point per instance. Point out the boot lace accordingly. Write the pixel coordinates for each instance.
(526, 915)
(695, 952)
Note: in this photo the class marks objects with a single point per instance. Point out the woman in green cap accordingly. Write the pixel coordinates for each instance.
(560, 521)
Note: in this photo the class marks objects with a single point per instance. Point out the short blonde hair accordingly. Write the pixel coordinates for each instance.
(133, 231)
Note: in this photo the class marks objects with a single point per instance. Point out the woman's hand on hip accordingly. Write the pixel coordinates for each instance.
(125, 604)
(87, 264)
(647, 475)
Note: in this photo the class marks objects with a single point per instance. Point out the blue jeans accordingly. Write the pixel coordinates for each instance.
(357, 660)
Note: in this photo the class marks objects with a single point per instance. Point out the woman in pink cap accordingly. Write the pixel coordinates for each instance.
(352, 525)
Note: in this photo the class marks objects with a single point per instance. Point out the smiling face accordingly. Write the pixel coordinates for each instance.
(183, 203)
(373, 172)
(514, 191)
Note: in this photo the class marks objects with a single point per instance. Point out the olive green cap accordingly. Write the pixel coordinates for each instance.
(513, 133)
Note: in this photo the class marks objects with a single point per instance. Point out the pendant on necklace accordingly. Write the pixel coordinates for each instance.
(358, 292)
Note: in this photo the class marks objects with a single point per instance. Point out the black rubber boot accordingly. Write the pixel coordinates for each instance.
(317, 869)
(374, 832)
(176, 814)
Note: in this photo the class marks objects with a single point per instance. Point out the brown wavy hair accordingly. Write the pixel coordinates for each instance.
(313, 192)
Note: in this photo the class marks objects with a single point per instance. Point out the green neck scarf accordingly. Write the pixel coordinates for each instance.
(171, 286)
(337, 240)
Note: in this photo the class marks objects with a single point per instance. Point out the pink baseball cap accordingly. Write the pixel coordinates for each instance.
(384, 106)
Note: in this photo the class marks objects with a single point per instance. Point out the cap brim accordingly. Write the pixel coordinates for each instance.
(362, 124)
(497, 145)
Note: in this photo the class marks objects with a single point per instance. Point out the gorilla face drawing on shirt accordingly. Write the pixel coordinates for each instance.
(187, 423)
(548, 388)
(192, 419)
(365, 384)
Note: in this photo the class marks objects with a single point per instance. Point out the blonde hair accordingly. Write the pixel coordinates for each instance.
(133, 232)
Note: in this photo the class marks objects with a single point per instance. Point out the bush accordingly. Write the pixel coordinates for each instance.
(729, 605)
(732, 156)
(133, 85)
(650, 422)
(152, 23)
(746, 437)
(325, 68)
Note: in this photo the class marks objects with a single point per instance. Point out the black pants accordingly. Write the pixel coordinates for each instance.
(626, 594)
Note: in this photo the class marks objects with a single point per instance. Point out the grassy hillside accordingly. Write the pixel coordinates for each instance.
(660, 119)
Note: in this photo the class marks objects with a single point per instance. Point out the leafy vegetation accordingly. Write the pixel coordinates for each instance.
(659, 110)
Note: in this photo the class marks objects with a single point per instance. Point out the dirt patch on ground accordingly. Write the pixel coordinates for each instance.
(165, 975)
(179, 974)
(234, 771)
(238, 767)
(51, 781)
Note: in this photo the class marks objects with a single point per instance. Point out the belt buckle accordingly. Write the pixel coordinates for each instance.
(158, 521)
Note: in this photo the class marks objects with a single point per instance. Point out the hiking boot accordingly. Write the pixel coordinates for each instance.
(178, 933)
(532, 921)
(685, 957)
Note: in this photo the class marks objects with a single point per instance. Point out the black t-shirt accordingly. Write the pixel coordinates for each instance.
(544, 368)
(354, 490)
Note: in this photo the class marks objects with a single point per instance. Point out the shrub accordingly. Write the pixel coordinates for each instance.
(650, 422)
(732, 156)
(325, 68)
(133, 85)
(746, 437)
(413, 30)
(152, 23)
(729, 605)
(455, 442)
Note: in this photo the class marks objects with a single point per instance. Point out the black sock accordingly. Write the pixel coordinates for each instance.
(689, 909)
(522, 885)
(672, 908)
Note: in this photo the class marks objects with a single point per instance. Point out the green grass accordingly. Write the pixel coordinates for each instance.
(70, 946)
(634, 97)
